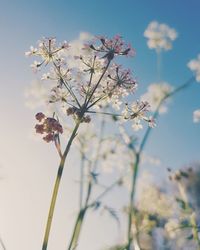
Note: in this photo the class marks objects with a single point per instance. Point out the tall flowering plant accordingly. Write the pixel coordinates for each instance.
(81, 91)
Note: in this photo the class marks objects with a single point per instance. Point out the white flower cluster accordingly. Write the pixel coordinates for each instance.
(156, 92)
(194, 65)
(84, 78)
(196, 116)
(138, 112)
(160, 36)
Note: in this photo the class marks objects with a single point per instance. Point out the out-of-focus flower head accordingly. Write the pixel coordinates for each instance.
(160, 36)
(196, 116)
(153, 199)
(172, 227)
(156, 92)
(194, 65)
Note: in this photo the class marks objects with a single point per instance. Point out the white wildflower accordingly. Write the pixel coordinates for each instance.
(160, 36)
(31, 52)
(194, 65)
(196, 116)
(155, 94)
(138, 112)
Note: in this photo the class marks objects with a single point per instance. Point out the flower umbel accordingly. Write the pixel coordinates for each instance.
(47, 50)
(111, 47)
(137, 112)
(160, 36)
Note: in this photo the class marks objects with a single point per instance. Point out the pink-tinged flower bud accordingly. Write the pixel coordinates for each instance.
(48, 137)
(50, 127)
(39, 116)
(39, 128)
(152, 122)
(71, 110)
(87, 119)
(111, 47)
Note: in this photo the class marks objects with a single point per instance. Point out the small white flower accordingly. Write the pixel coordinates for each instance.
(35, 66)
(137, 124)
(154, 95)
(152, 122)
(45, 76)
(196, 116)
(138, 112)
(58, 94)
(160, 36)
(31, 52)
(194, 65)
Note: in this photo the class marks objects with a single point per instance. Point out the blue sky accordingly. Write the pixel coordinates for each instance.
(22, 23)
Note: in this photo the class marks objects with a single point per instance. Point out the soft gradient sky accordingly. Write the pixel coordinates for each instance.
(27, 167)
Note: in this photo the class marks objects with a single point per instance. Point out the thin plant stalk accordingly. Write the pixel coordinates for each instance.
(81, 179)
(82, 212)
(2, 244)
(83, 110)
(159, 64)
(135, 166)
(192, 215)
(57, 184)
(195, 231)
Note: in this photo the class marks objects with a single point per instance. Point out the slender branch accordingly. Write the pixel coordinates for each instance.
(82, 212)
(131, 203)
(56, 186)
(2, 244)
(105, 192)
(135, 168)
(192, 215)
(90, 81)
(156, 113)
(81, 179)
(97, 84)
(159, 64)
(66, 85)
(102, 113)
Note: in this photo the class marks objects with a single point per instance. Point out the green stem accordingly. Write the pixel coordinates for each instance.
(97, 84)
(82, 212)
(195, 229)
(56, 186)
(135, 168)
(77, 229)
(131, 203)
(81, 179)
(159, 65)
(2, 244)
(194, 225)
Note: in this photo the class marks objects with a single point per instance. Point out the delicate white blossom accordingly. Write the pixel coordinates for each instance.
(156, 92)
(160, 36)
(194, 65)
(137, 112)
(196, 116)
